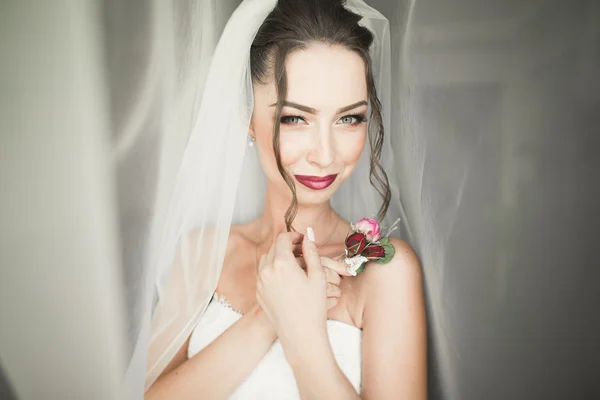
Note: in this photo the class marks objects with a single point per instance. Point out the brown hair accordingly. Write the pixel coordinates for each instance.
(294, 25)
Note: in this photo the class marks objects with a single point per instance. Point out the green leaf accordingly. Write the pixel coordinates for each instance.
(389, 254)
(383, 241)
(361, 268)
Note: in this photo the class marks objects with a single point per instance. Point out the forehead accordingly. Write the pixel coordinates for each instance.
(325, 77)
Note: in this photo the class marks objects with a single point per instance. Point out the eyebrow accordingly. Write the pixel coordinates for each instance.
(313, 111)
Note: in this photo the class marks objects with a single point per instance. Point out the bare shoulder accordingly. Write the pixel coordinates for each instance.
(393, 283)
(240, 239)
(237, 249)
(237, 281)
(404, 266)
(238, 236)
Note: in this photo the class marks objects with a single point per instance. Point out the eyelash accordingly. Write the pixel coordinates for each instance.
(358, 117)
(285, 120)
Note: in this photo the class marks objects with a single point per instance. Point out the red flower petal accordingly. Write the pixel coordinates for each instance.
(356, 243)
(355, 239)
(374, 252)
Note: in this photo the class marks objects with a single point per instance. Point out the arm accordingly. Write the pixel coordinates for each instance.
(217, 370)
(316, 371)
(394, 343)
(395, 329)
(294, 303)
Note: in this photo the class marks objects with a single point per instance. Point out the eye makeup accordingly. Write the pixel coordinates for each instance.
(291, 120)
(357, 119)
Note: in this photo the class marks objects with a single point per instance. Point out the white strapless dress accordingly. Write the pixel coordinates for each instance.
(273, 377)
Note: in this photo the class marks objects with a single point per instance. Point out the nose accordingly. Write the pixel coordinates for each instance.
(322, 152)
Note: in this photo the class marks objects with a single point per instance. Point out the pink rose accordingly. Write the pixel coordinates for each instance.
(370, 228)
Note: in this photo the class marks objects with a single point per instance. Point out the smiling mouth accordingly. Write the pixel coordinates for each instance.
(316, 182)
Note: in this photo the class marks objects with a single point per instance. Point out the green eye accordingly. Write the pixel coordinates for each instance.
(352, 120)
(291, 120)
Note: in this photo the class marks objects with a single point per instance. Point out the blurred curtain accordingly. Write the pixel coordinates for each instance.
(498, 154)
(495, 128)
(61, 324)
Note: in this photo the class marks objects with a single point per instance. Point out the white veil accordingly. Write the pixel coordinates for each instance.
(217, 168)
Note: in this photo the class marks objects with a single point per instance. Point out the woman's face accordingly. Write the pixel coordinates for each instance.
(323, 123)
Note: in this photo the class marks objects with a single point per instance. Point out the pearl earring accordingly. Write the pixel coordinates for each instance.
(251, 140)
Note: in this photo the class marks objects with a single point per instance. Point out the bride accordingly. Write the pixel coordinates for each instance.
(288, 318)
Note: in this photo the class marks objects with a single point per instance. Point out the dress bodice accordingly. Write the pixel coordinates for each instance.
(273, 377)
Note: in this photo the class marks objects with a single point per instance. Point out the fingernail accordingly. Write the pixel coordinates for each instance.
(311, 234)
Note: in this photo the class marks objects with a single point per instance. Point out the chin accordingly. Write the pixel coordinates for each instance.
(312, 197)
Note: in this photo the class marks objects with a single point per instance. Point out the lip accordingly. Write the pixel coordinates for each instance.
(316, 182)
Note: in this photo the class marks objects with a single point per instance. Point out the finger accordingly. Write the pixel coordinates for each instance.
(262, 260)
(301, 263)
(331, 302)
(285, 244)
(314, 269)
(332, 276)
(333, 251)
(333, 290)
(297, 249)
(297, 237)
(267, 259)
(338, 266)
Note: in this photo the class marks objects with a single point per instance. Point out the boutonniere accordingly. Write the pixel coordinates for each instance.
(366, 243)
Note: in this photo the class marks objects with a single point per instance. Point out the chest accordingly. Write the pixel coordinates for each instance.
(237, 283)
(273, 377)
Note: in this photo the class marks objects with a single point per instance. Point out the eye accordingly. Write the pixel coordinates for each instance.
(291, 120)
(352, 119)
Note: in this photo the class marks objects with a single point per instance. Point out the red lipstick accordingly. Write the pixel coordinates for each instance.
(316, 182)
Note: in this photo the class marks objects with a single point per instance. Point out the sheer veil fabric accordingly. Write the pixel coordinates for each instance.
(219, 181)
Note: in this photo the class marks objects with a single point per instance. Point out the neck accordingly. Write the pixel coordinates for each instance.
(322, 218)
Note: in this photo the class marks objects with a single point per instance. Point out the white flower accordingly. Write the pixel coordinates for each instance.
(354, 263)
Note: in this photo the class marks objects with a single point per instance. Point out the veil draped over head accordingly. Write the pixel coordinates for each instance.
(220, 182)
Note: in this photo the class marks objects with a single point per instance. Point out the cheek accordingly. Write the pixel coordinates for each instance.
(293, 147)
(262, 125)
(351, 147)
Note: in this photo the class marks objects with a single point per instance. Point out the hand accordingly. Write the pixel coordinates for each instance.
(294, 301)
(334, 269)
